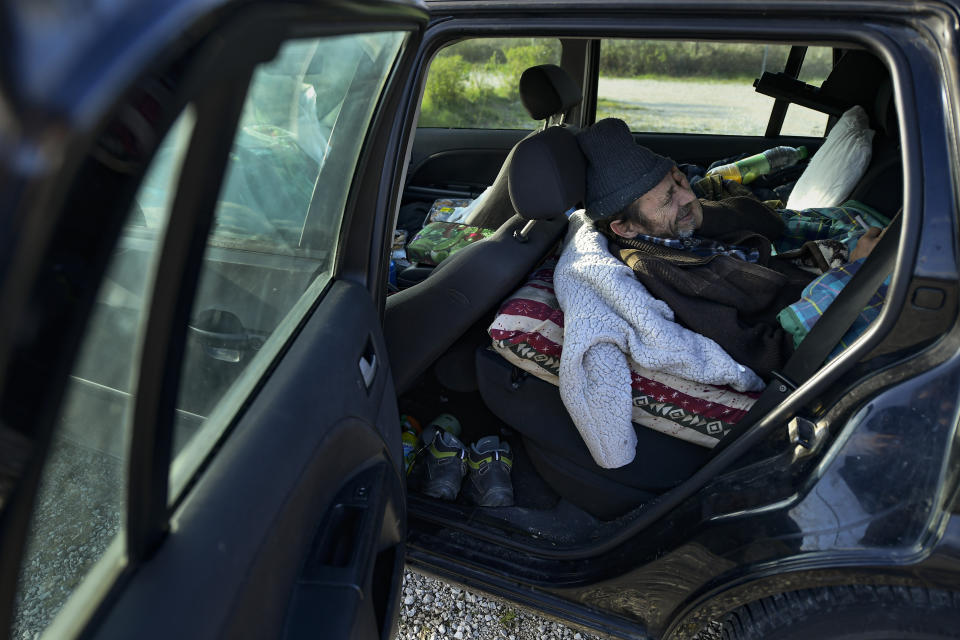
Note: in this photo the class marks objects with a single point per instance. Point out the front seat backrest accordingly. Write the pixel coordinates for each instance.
(548, 93)
(547, 174)
(422, 322)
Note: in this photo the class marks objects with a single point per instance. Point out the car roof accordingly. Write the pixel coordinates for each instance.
(758, 7)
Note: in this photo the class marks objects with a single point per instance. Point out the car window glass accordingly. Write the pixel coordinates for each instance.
(690, 87)
(80, 505)
(474, 84)
(276, 224)
(801, 121)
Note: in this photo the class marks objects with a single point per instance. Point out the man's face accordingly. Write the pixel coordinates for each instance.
(669, 210)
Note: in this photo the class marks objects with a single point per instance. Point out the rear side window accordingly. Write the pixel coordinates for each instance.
(661, 86)
(276, 225)
(474, 84)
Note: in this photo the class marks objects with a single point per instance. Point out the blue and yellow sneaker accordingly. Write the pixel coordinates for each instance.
(488, 480)
(444, 465)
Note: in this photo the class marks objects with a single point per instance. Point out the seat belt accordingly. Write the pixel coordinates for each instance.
(825, 334)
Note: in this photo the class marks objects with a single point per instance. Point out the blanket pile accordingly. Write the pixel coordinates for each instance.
(608, 316)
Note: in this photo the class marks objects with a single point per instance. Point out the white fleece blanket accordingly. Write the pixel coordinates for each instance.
(608, 316)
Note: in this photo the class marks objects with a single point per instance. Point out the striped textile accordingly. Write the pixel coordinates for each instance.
(528, 333)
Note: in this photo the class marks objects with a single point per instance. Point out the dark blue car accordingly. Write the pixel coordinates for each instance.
(204, 358)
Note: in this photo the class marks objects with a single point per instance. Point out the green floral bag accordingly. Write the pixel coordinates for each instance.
(438, 240)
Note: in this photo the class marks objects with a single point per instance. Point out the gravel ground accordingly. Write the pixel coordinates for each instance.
(78, 513)
(433, 609)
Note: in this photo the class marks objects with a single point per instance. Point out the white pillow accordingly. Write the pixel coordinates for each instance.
(838, 165)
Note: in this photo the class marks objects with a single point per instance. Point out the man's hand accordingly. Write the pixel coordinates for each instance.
(867, 242)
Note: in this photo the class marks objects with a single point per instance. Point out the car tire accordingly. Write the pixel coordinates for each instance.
(859, 612)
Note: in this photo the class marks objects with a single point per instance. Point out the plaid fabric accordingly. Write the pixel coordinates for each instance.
(827, 223)
(528, 333)
(817, 296)
(703, 247)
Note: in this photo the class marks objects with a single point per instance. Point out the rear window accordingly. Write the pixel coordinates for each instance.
(661, 86)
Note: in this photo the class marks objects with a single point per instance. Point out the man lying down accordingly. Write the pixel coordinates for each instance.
(686, 286)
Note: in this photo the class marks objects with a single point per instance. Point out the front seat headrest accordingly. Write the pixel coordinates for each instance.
(547, 90)
(547, 175)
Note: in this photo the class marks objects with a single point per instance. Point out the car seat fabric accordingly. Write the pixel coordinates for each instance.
(861, 78)
(547, 90)
(855, 79)
(528, 333)
(423, 321)
(547, 175)
(534, 409)
(881, 186)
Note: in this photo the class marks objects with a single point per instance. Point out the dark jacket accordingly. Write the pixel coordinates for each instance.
(731, 301)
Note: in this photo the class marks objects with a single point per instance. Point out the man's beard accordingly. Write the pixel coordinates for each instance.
(685, 212)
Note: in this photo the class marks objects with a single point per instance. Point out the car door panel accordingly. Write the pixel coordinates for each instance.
(703, 150)
(295, 492)
(250, 525)
(457, 163)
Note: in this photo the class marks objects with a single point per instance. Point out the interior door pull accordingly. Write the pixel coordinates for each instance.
(368, 369)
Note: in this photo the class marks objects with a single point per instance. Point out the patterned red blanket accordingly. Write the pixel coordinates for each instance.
(528, 332)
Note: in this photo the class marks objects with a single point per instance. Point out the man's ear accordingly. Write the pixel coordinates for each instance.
(626, 229)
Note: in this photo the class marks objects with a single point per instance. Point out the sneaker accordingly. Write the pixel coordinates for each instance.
(488, 482)
(444, 465)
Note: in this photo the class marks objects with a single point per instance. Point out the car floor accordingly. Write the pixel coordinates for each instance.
(538, 510)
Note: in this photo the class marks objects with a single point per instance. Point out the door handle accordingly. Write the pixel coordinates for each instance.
(349, 583)
(368, 369)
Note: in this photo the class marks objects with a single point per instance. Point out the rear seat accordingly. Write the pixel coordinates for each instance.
(881, 186)
(535, 410)
(534, 407)
(859, 77)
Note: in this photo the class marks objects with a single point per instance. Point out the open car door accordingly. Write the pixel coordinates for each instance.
(198, 424)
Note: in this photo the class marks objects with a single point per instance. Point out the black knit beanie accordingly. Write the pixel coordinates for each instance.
(618, 169)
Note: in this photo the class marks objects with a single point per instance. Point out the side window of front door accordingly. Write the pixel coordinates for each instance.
(271, 251)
